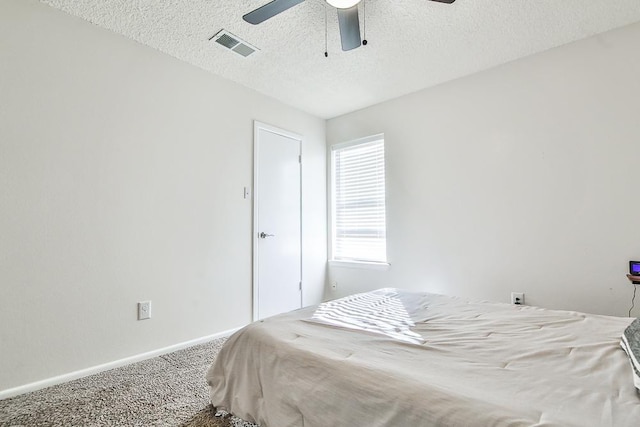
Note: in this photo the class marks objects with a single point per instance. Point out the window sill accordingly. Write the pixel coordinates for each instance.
(360, 264)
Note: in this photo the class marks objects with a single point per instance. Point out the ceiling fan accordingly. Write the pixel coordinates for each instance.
(347, 17)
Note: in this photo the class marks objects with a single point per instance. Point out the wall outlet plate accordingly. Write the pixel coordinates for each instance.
(517, 298)
(144, 310)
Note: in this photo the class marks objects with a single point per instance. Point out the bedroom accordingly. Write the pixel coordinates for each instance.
(518, 178)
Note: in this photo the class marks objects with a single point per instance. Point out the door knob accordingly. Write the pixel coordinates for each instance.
(264, 235)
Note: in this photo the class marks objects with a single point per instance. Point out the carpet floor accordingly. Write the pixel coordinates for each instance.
(168, 390)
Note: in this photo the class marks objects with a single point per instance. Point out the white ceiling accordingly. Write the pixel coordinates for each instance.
(413, 44)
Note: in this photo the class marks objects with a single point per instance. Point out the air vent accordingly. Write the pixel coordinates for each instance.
(234, 43)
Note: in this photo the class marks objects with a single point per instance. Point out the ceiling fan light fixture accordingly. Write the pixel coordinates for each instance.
(343, 4)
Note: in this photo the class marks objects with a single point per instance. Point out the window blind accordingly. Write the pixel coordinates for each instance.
(359, 222)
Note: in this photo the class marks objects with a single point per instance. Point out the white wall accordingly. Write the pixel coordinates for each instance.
(122, 174)
(521, 178)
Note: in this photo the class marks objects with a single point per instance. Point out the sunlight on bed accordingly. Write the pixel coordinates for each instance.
(380, 312)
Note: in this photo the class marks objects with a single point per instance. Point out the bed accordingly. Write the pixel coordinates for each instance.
(397, 358)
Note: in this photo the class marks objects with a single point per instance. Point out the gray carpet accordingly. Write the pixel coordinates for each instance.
(168, 390)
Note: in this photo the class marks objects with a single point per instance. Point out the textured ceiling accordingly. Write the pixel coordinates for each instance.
(413, 44)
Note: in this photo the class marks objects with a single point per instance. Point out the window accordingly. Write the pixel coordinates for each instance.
(358, 221)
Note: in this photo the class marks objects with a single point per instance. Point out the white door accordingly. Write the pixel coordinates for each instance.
(277, 276)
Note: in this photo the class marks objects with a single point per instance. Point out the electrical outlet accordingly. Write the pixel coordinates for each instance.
(517, 298)
(144, 310)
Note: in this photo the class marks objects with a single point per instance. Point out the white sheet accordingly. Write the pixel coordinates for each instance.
(481, 364)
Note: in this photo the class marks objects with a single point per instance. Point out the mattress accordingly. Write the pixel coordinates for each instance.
(465, 364)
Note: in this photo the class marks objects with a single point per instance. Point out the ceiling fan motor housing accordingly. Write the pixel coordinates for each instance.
(343, 4)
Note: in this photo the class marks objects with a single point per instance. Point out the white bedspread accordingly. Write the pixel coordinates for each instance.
(481, 364)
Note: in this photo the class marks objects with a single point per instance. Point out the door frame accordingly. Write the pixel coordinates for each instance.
(257, 127)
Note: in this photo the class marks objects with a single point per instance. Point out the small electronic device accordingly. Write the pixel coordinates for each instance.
(634, 270)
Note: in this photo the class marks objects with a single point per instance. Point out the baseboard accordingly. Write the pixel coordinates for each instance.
(11, 392)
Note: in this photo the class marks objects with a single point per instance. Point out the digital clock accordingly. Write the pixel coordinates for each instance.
(634, 270)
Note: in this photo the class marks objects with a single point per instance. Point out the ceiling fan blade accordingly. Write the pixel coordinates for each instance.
(349, 28)
(444, 1)
(269, 10)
